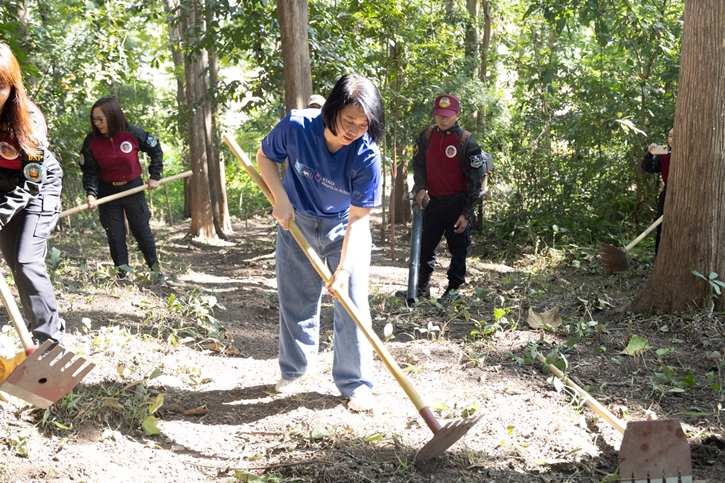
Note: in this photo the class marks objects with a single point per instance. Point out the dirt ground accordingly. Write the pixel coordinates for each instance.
(209, 387)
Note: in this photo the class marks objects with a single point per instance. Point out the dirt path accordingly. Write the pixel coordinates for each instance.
(220, 419)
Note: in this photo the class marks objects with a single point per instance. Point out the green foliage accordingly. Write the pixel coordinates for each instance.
(715, 285)
(573, 92)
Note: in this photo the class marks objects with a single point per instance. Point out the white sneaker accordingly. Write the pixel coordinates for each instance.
(362, 400)
(285, 386)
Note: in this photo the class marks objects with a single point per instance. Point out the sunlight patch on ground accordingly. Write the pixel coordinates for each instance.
(200, 277)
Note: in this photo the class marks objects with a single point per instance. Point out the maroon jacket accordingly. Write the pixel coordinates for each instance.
(116, 159)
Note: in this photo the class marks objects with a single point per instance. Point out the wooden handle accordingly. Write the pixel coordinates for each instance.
(343, 298)
(123, 194)
(15, 316)
(617, 423)
(644, 234)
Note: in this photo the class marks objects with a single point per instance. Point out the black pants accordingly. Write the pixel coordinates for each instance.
(24, 246)
(438, 219)
(660, 212)
(138, 215)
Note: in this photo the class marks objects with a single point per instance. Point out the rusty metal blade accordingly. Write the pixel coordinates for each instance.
(655, 452)
(449, 433)
(42, 380)
(613, 258)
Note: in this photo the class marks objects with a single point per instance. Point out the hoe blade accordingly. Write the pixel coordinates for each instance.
(451, 432)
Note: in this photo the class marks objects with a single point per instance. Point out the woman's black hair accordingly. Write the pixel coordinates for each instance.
(115, 118)
(355, 90)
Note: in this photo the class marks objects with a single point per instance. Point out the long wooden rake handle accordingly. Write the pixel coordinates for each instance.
(617, 423)
(123, 194)
(644, 234)
(343, 298)
(15, 316)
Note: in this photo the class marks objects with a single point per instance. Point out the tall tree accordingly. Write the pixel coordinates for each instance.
(192, 39)
(293, 16)
(195, 68)
(694, 219)
(217, 175)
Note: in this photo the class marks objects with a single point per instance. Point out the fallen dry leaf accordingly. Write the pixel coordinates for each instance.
(196, 412)
(550, 319)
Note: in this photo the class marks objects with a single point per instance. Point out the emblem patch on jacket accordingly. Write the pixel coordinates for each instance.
(476, 160)
(451, 151)
(7, 151)
(82, 160)
(151, 140)
(34, 172)
(126, 147)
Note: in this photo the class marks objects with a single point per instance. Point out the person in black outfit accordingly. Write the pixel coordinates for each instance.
(110, 165)
(658, 163)
(30, 186)
(448, 170)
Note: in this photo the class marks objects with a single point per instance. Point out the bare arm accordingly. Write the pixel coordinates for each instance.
(283, 209)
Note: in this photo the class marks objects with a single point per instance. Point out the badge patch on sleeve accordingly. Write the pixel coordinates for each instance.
(151, 140)
(34, 172)
(476, 160)
(82, 160)
(415, 149)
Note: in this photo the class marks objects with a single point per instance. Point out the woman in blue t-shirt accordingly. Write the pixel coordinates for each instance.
(332, 183)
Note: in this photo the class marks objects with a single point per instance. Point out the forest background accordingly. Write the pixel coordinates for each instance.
(565, 95)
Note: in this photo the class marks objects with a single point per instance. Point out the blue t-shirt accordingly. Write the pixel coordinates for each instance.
(319, 183)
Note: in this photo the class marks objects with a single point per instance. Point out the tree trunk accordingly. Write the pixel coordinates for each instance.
(217, 173)
(202, 219)
(177, 25)
(486, 40)
(399, 209)
(694, 219)
(293, 19)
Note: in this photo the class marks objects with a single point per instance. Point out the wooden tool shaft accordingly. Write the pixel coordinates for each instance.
(123, 194)
(15, 316)
(617, 423)
(644, 234)
(343, 298)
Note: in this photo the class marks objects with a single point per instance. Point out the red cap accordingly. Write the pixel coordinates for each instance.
(446, 105)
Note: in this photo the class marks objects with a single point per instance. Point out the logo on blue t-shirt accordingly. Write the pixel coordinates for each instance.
(307, 172)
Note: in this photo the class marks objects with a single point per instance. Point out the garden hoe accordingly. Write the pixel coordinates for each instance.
(122, 194)
(616, 259)
(651, 451)
(443, 436)
(45, 375)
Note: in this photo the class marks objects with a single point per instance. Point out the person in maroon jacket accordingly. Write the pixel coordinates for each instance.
(448, 170)
(110, 165)
(657, 162)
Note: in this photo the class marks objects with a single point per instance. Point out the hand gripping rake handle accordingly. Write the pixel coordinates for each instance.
(343, 298)
(123, 194)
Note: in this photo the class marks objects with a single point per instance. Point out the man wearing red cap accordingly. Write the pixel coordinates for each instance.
(448, 169)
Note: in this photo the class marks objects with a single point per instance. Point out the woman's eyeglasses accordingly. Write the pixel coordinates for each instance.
(99, 120)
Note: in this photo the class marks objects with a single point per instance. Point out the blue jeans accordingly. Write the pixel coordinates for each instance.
(300, 290)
